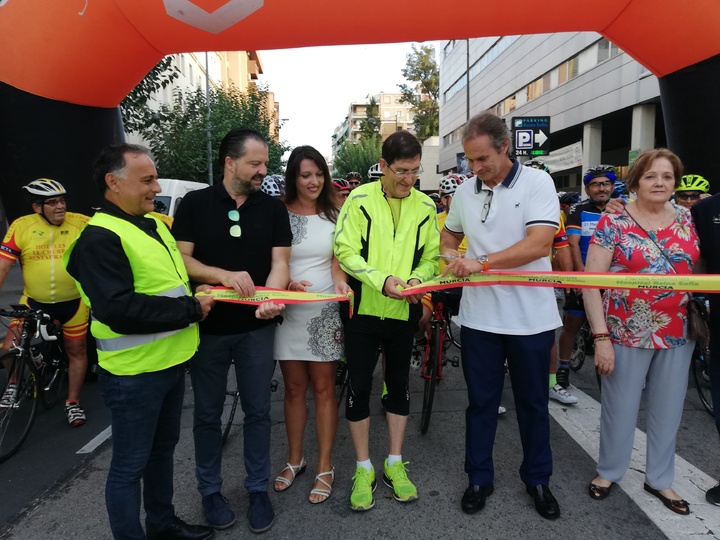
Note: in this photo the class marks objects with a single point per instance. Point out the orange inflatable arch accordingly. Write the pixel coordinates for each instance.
(91, 53)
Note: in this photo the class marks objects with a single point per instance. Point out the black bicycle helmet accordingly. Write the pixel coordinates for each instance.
(571, 197)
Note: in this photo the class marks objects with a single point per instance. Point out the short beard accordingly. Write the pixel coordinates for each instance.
(244, 187)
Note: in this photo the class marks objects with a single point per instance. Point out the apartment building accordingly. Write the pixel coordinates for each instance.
(604, 107)
(394, 116)
(219, 68)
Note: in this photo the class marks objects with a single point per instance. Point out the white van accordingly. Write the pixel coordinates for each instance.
(173, 192)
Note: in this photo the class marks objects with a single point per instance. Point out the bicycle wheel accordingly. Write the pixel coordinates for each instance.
(232, 396)
(455, 339)
(577, 357)
(433, 357)
(52, 379)
(16, 421)
(701, 376)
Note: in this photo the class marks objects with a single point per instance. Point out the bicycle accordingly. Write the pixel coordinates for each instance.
(434, 356)
(700, 365)
(38, 364)
(583, 347)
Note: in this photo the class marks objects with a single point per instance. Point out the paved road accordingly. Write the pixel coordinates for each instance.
(72, 505)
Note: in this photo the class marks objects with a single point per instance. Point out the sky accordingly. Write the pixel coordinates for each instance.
(315, 85)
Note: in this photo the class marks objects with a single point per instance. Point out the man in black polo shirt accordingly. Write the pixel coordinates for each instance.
(706, 215)
(233, 234)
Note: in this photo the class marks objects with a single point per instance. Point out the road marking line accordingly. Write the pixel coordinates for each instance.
(582, 423)
(97, 441)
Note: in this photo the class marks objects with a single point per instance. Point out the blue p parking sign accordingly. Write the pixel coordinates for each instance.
(530, 135)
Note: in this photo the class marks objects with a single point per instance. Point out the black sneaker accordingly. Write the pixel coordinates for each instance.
(563, 377)
(713, 495)
(261, 515)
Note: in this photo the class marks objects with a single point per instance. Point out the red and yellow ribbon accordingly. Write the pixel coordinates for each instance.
(279, 296)
(709, 283)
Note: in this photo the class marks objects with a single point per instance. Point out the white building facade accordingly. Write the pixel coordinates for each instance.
(604, 107)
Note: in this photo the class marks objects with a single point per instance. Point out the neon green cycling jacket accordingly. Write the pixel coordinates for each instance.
(370, 248)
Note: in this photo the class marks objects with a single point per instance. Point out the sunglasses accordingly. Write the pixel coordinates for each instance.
(687, 196)
(354, 182)
(235, 230)
(486, 206)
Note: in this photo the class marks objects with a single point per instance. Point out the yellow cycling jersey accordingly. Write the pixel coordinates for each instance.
(462, 248)
(40, 247)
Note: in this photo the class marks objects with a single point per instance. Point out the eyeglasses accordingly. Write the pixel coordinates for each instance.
(354, 182)
(595, 185)
(402, 172)
(55, 202)
(235, 230)
(686, 196)
(486, 206)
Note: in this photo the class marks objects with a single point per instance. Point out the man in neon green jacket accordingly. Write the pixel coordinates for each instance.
(386, 239)
(130, 272)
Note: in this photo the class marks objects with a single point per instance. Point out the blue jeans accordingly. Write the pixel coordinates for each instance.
(254, 366)
(528, 357)
(145, 412)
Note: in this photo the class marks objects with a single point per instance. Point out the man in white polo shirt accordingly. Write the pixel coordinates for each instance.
(509, 215)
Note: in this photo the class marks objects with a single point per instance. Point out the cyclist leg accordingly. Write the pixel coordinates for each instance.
(397, 344)
(74, 335)
(572, 322)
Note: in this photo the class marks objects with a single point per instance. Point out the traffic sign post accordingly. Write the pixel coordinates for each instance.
(530, 133)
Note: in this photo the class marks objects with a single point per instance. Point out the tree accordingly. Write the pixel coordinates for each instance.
(370, 125)
(422, 69)
(135, 111)
(357, 156)
(178, 135)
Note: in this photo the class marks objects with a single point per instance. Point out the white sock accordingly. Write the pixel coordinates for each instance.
(393, 459)
(365, 465)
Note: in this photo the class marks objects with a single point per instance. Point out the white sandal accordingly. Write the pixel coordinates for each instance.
(295, 470)
(322, 491)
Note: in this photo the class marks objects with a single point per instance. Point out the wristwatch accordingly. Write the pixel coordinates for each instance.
(483, 259)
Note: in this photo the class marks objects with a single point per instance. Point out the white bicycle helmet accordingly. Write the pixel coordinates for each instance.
(271, 186)
(450, 183)
(374, 172)
(44, 188)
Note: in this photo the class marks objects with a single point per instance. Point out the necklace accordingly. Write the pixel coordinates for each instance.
(652, 227)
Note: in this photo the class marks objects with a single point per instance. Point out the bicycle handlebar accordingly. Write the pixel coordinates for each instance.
(43, 319)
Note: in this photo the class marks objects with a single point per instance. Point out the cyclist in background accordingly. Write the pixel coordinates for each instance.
(342, 190)
(692, 188)
(39, 240)
(374, 173)
(599, 184)
(354, 179)
(561, 260)
(274, 185)
(567, 200)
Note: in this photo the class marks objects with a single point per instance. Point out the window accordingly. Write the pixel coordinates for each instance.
(606, 50)
(568, 70)
(386, 114)
(386, 99)
(534, 89)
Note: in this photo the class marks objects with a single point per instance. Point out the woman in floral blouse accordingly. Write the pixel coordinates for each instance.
(640, 335)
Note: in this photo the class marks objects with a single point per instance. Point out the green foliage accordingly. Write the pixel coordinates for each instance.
(422, 69)
(357, 156)
(178, 135)
(135, 111)
(370, 125)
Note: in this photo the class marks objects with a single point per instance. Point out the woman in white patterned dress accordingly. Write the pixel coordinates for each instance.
(309, 342)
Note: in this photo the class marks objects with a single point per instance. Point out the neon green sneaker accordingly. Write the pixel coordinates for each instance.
(395, 477)
(361, 498)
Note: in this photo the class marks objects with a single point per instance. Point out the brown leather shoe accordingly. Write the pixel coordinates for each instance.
(679, 506)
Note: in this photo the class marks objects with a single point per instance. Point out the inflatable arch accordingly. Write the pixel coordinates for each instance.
(67, 65)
